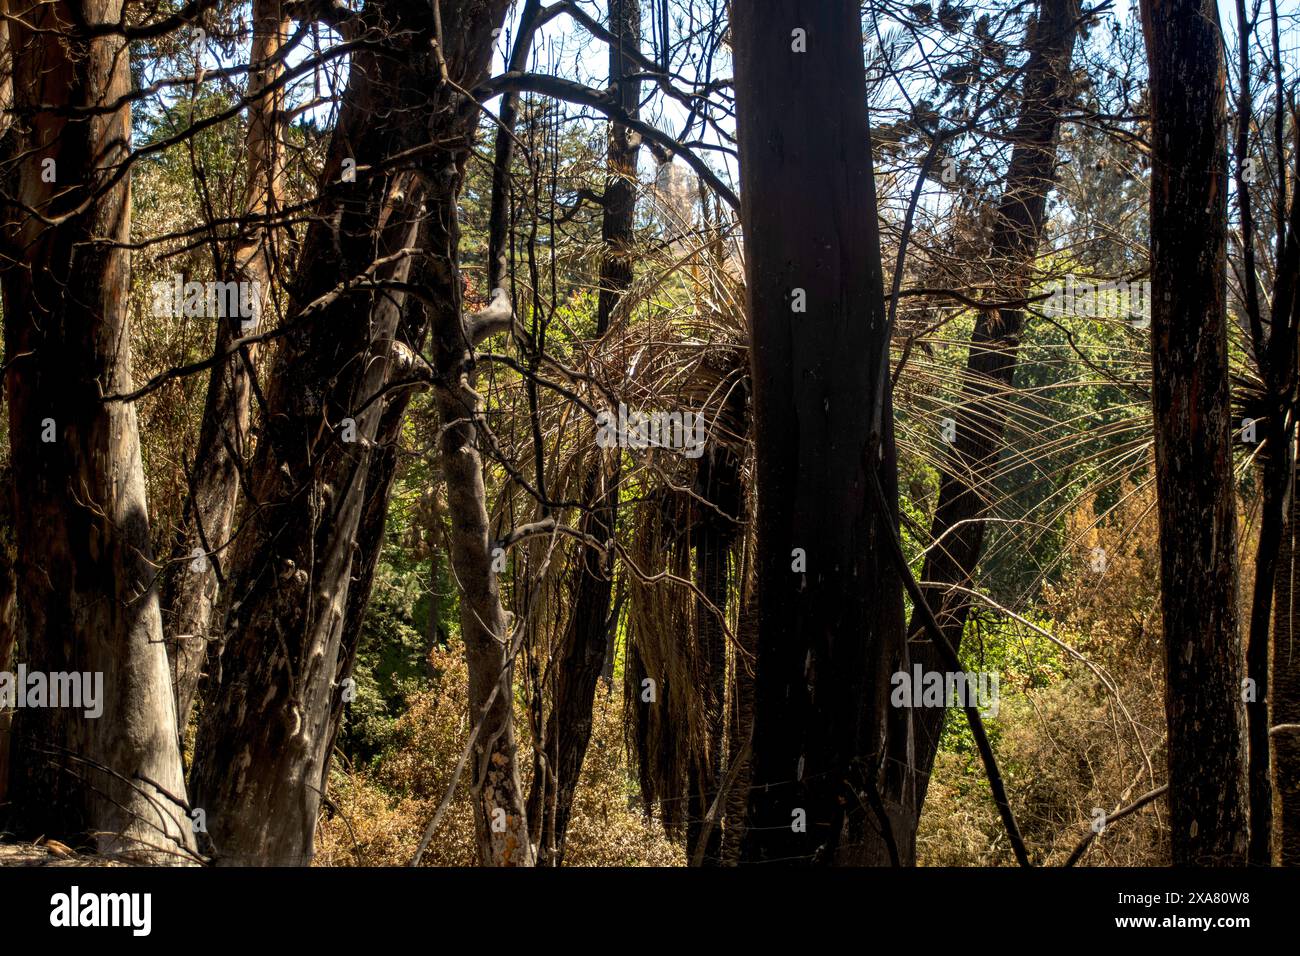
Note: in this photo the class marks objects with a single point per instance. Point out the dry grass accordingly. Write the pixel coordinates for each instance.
(1084, 739)
(381, 812)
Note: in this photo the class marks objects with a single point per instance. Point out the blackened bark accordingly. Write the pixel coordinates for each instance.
(991, 363)
(1274, 346)
(586, 637)
(85, 578)
(1205, 663)
(718, 482)
(266, 728)
(1285, 697)
(374, 515)
(829, 636)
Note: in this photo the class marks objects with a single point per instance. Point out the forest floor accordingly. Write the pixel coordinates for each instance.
(47, 854)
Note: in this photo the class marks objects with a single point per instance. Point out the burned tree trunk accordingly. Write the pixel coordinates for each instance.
(830, 606)
(414, 331)
(1285, 696)
(85, 577)
(1286, 692)
(718, 482)
(991, 364)
(1281, 702)
(379, 489)
(585, 643)
(191, 583)
(265, 730)
(1273, 342)
(1194, 478)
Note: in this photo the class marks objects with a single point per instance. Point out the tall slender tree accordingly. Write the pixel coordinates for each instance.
(584, 646)
(1204, 658)
(991, 363)
(1272, 322)
(190, 588)
(1285, 696)
(828, 775)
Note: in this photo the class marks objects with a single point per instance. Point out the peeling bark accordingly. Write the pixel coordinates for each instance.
(266, 728)
(85, 577)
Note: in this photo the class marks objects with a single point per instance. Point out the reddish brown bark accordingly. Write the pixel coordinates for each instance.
(85, 577)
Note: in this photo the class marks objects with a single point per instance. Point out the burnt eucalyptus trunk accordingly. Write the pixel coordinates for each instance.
(1282, 700)
(374, 515)
(1274, 345)
(991, 363)
(190, 586)
(1285, 696)
(414, 331)
(1205, 663)
(267, 725)
(718, 481)
(85, 577)
(8, 615)
(828, 778)
(587, 634)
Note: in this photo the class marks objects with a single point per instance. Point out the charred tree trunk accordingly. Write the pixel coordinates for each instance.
(830, 606)
(1194, 479)
(586, 638)
(1282, 704)
(265, 730)
(414, 332)
(1285, 696)
(378, 493)
(8, 614)
(370, 535)
(741, 714)
(718, 482)
(991, 364)
(1273, 342)
(191, 582)
(85, 579)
